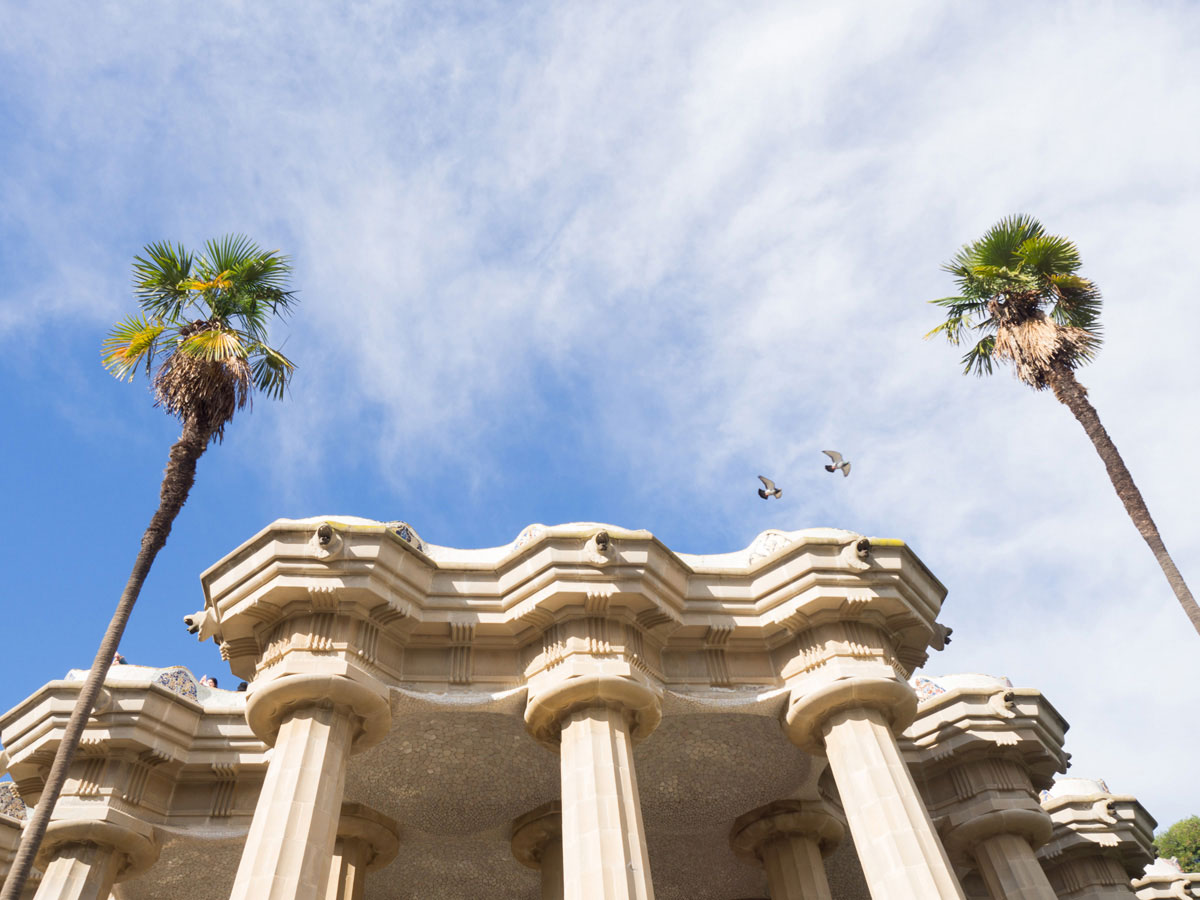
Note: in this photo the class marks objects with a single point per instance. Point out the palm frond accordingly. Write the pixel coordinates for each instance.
(978, 360)
(228, 252)
(271, 370)
(1048, 254)
(962, 314)
(159, 280)
(214, 345)
(1077, 302)
(131, 343)
(1000, 244)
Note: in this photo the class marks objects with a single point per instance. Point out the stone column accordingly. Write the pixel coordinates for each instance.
(594, 720)
(847, 703)
(314, 722)
(537, 843)
(366, 841)
(83, 859)
(1003, 854)
(790, 838)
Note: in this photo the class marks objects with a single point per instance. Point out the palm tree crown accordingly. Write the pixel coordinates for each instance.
(204, 320)
(1020, 292)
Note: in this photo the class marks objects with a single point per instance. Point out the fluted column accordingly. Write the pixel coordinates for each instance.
(595, 719)
(83, 859)
(1010, 869)
(790, 838)
(995, 823)
(314, 722)
(847, 703)
(537, 843)
(366, 841)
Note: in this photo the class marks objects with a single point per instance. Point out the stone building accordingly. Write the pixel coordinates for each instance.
(582, 713)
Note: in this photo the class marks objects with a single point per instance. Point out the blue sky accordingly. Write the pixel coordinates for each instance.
(609, 262)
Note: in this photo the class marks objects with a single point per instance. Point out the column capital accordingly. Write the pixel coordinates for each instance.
(533, 831)
(815, 820)
(269, 702)
(808, 711)
(379, 833)
(132, 841)
(963, 836)
(546, 709)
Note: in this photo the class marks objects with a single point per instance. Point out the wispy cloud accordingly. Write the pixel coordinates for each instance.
(688, 242)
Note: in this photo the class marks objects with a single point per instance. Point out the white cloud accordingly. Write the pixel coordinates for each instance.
(702, 236)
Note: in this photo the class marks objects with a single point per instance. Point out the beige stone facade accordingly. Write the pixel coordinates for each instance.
(581, 714)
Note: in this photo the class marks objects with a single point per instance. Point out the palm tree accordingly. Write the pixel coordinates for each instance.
(204, 323)
(1021, 293)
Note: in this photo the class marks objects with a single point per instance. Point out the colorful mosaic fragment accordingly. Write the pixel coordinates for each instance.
(11, 803)
(178, 680)
(926, 688)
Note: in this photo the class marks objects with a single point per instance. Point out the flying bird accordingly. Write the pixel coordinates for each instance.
(838, 462)
(768, 489)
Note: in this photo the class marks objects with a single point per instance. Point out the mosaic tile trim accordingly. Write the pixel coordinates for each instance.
(406, 532)
(926, 688)
(767, 543)
(530, 533)
(180, 681)
(11, 803)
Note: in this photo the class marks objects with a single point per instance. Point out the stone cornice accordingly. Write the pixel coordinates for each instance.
(153, 731)
(988, 720)
(1166, 880)
(416, 595)
(1096, 822)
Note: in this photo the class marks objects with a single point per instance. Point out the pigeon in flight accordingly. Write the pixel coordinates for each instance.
(838, 462)
(768, 489)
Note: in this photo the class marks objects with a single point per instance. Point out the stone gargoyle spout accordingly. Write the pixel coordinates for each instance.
(204, 625)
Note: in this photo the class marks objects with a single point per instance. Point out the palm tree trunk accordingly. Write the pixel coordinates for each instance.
(177, 482)
(1074, 396)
